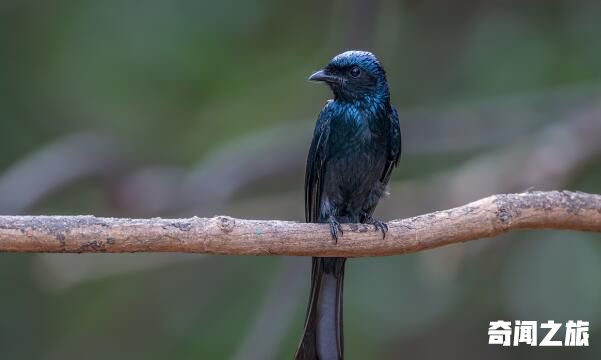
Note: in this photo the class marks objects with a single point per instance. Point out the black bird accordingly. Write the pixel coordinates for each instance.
(356, 145)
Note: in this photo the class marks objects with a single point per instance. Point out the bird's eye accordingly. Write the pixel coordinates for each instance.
(355, 71)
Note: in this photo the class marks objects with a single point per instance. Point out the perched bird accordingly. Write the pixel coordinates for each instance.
(356, 145)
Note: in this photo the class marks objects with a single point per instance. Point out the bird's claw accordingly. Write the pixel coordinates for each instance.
(335, 228)
(378, 225)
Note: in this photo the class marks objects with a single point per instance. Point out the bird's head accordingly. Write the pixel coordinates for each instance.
(354, 76)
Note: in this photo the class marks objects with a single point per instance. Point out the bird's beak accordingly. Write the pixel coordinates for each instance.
(321, 75)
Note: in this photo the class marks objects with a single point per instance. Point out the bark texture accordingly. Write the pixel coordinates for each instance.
(488, 217)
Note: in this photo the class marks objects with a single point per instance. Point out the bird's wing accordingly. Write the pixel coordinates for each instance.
(315, 165)
(394, 146)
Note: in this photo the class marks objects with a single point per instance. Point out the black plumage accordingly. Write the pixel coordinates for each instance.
(356, 145)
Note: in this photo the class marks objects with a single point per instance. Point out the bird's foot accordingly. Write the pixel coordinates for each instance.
(378, 225)
(335, 228)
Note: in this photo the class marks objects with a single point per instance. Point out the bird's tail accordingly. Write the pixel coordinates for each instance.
(322, 338)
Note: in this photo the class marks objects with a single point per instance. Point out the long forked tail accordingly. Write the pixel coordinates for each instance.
(322, 338)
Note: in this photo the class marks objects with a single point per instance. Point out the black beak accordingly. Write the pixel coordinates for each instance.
(321, 75)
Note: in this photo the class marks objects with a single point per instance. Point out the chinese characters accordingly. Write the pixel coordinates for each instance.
(501, 333)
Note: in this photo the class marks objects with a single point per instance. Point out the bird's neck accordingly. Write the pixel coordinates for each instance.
(374, 105)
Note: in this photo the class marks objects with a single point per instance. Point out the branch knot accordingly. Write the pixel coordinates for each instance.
(226, 223)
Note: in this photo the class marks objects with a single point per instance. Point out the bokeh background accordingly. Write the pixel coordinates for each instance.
(177, 108)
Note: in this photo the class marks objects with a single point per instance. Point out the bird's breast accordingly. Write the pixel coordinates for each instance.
(355, 131)
(356, 156)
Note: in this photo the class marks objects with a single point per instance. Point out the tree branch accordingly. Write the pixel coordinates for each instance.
(487, 217)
